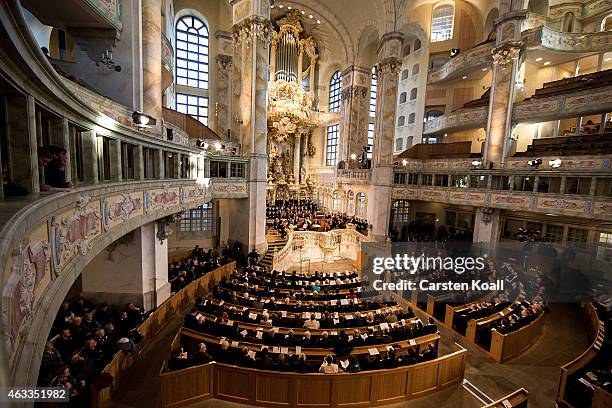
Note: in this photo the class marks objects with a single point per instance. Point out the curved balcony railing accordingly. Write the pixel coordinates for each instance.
(554, 40)
(167, 59)
(566, 105)
(461, 119)
(468, 61)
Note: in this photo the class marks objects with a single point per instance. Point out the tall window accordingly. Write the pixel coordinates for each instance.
(401, 211)
(192, 67)
(200, 219)
(370, 139)
(332, 145)
(373, 89)
(334, 92)
(361, 205)
(442, 23)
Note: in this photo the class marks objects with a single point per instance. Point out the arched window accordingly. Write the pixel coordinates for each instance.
(417, 44)
(192, 67)
(403, 97)
(361, 209)
(405, 74)
(442, 23)
(337, 202)
(350, 200)
(413, 94)
(334, 92)
(568, 22)
(399, 144)
(401, 121)
(406, 50)
(411, 118)
(415, 69)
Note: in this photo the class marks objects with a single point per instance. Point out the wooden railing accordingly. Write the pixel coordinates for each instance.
(517, 399)
(600, 397)
(167, 311)
(277, 389)
(506, 346)
(193, 127)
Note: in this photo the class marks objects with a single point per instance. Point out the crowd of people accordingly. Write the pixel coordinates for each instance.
(83, 340)
(183, 272)
(305, 215)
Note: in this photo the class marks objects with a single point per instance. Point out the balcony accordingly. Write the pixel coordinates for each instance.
(193, 127)
(548, 39)
(474, 59)
(461, 119)
(354, 175)
(167, 61)
(567, 98)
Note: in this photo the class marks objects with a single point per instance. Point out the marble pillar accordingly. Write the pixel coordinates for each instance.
(159, 164)
(296, 157)
(380, 192)
(115, 154)
(252, 32)
(354, 111)
(139, 163)
(507, 56)
(151, 58)
(224, 92)
(90, 157)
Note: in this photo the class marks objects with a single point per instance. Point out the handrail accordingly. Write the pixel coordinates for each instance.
(597, 329)
(194, 128)
(263, 388)
(509, 345)
(167, 311)
(281, 257)
(469, 60)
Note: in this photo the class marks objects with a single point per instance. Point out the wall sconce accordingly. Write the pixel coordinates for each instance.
(107, 61)
(238, 120)
(219, 147)
(143, 121)
(476, 163)
(535, 163)
(404, 162)
(353, 156)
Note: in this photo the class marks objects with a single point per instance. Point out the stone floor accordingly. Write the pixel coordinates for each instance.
(537, 370)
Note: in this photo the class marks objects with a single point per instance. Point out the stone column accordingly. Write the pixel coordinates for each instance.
(132, 269)
(139, 163)
(115, 154)
(151, 58)
(90, 157)
(224, 95)
(354, 112)
(21, 130)
(252, 33)
(379, 199)
(487, 226)
(159, 164)
(177, 165)
(506, 61)
(60, 136)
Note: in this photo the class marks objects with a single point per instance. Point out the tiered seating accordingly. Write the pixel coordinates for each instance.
(290, 322)
(574, 84)
(594, 144)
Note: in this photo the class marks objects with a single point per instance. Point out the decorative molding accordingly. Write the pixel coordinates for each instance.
(253, 27)
(506, 53)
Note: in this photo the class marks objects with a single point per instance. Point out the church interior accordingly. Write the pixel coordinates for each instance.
(199, 199)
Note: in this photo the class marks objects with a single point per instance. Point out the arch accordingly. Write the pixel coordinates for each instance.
(489, 25)
(442, 22)
(405, 74)
(350, 200)
(403, 97)
(401, 121)
(413, 94)
(569, 20)
(406, 50)
(336, 201)
(538, 7)
(399, 144)
(411, 118)
(417, 44)
(367, 46)
(415, 69)
(361, 205)
(334, 92)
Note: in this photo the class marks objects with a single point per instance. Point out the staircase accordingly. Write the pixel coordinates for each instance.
(275, 243)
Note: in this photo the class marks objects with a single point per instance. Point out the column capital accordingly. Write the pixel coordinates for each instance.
(353, 91)
(253, 26)
(224, 61)
(390, 46)
(506, 53)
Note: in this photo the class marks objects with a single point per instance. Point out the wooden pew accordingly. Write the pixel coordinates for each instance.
(600, 397)
(506, 346)
(277, 389)
(197, 337)
(167, 311)
(517, 399)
